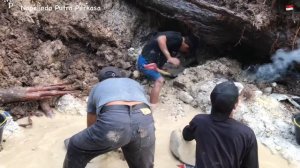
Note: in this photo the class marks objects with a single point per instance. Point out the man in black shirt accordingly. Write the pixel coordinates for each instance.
(159, 50)
(222, 142)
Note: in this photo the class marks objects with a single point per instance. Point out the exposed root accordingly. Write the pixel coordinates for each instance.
(45, 106)
(295, 37)
(242, 35)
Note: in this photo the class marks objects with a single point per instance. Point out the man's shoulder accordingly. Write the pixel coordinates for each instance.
(243, 128)
(202, 117)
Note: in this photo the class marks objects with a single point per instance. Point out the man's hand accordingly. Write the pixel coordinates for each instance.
(91, 118)
(174, 61)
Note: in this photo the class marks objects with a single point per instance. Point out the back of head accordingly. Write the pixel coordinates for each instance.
(109, 72)
(223, 99)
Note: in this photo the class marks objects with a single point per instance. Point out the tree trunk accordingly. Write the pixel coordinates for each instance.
(225, 30)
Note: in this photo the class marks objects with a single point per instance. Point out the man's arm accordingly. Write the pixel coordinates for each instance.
(91, 118)
(162, 43)
(251, 158)
(91, 109)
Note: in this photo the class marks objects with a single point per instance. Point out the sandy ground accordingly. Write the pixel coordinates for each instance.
(42, 144)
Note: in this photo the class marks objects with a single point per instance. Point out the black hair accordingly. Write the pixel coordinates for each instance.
(224, 97)
(191, 41)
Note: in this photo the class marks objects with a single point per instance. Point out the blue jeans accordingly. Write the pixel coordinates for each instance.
(128, 129)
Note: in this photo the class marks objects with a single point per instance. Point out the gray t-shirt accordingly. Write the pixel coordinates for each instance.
(115, 89)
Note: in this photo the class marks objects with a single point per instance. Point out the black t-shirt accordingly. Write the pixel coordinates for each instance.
(152, 53)
(222, 144)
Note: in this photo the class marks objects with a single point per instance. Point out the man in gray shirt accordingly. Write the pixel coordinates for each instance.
(118, 117)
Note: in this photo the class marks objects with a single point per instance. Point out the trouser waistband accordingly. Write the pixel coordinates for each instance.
(124, 107)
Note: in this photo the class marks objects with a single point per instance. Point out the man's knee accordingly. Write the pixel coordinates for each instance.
(160, 82)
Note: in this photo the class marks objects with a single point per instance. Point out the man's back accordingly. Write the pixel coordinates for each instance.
(152, 52)
(115, 89)
(222, 144)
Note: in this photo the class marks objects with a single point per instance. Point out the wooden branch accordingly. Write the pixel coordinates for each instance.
(239, 42)
(295, 37)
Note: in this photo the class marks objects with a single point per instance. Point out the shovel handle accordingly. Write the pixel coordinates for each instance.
(164, 72)
(154, 67)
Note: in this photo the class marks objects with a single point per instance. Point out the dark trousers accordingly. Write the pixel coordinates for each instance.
(124, 128)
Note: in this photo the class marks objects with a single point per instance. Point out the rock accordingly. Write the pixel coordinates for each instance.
(179, 85)
(183, 150)
(50, 52)
(268, 90)
(132, 52)
(109, 57)
(185, 97)
(125, 65)
(203, 102)
(126, 73)
(68, 104)
(257, 93)
(136, 74)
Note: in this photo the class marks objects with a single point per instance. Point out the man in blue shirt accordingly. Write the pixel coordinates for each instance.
(118, 117)
(159, 50)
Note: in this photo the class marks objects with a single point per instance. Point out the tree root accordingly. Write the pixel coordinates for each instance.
(42, 94)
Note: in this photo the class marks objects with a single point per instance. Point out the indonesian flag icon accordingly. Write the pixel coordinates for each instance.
(289, 7)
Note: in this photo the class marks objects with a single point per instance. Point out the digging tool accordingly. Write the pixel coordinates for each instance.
(153, 66)
(281, 97)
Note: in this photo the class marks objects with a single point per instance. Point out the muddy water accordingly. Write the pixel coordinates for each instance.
(42, 145)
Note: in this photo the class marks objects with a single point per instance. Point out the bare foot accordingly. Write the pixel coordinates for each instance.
(153, 106)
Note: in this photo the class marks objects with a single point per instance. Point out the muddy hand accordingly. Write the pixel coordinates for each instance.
(174, 61)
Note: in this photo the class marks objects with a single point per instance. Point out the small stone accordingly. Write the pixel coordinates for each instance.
(257, 93)
(109, 57)
(274, 84)
(278, 148)
(136, 74)
(131, 52)
(268, 90)
(185, 97)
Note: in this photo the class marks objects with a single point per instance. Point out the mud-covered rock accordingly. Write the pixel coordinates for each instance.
(49, 53)
(68, 104)
(185, 97)
(183, 150)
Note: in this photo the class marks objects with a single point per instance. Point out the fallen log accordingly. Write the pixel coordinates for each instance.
(42, 94)
(21, 94)
(219, 27)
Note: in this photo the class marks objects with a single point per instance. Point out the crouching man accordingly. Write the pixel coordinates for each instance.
(118, 117)
(221, 141)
